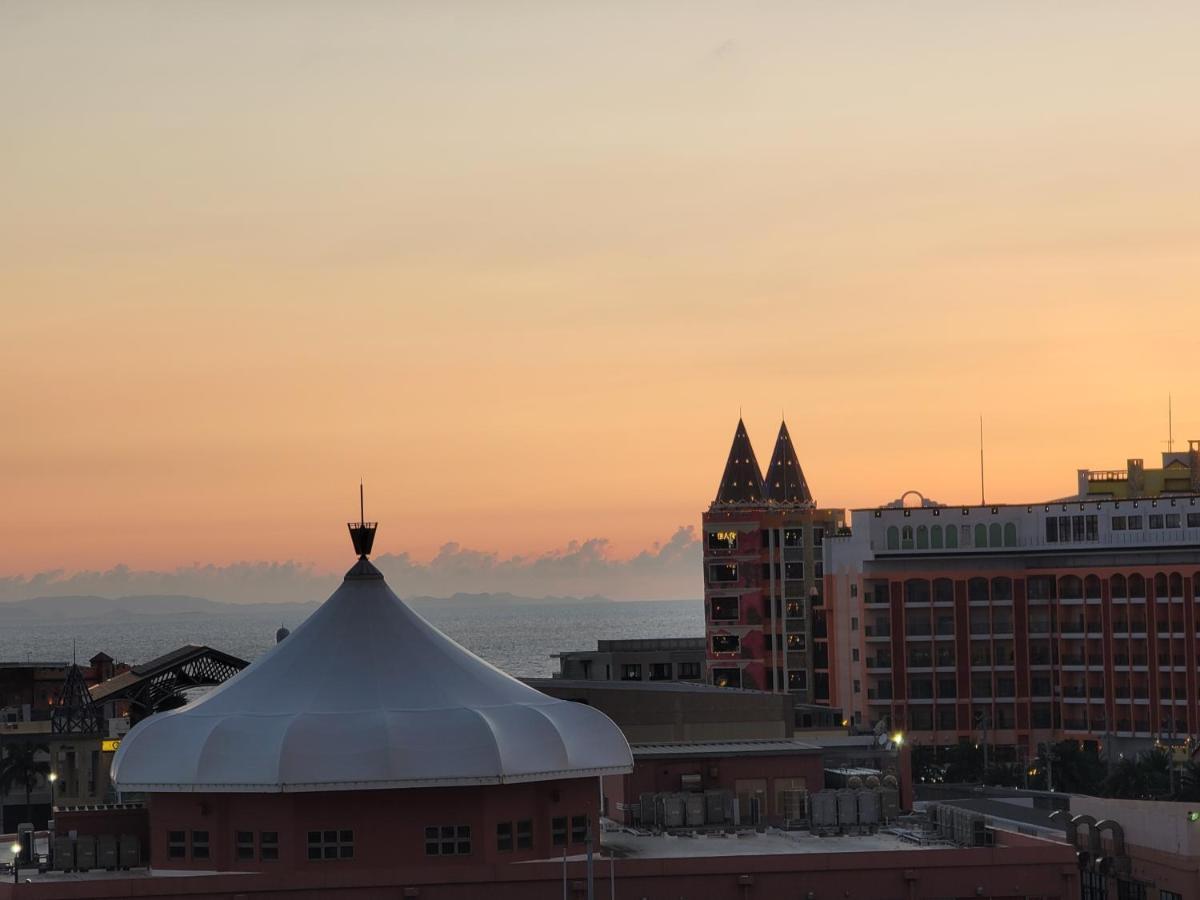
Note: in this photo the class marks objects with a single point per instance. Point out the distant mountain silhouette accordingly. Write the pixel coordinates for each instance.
(49, 609)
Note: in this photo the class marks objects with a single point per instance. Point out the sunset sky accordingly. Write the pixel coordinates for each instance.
(519, 266)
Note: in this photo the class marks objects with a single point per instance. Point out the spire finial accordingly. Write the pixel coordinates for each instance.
(362, 532)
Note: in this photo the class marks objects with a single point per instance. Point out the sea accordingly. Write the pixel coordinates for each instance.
(518, 638)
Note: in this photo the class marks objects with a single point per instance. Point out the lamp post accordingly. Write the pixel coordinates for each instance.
(16, 864)
(52, 778)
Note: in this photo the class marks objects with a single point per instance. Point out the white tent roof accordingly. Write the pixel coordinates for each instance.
(367, 694)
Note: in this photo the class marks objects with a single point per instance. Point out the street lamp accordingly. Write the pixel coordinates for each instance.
(16, 865)
(52, 778)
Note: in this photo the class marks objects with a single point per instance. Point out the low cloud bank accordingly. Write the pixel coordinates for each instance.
(667, 570)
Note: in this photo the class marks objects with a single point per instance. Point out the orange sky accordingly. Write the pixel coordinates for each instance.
(519, 265)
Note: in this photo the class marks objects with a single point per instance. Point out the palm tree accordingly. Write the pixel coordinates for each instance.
(21, 767)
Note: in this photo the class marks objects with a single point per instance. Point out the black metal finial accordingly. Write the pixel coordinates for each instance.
(362, 532)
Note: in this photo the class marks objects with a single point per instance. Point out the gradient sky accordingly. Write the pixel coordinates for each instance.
(519, 265)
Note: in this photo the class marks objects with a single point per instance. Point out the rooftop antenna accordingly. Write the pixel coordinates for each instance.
(362, 532)
(982, 494)
(1170, 426)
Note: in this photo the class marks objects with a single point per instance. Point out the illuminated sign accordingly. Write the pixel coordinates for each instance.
(729, 537)
(110, 745)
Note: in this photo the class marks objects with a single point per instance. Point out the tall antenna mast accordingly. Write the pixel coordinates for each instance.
(1170, 426)
(362, 515)
(982, 493)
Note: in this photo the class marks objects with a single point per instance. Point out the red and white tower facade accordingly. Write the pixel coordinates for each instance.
(764, 613)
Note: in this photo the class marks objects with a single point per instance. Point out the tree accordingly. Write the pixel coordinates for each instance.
(1077, 770)
(20, 767)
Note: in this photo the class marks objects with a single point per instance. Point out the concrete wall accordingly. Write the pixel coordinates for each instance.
(1163, 846)
(670, 715)
(1024, 867)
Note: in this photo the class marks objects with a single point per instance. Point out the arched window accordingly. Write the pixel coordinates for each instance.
(935, 537)
(1091, 587)
(893, 538)
(1010, 534)
(981, 535)
(1070, 587)
(1118, 586)
(951, 537)
(996, 538)
(916, 590)
(1002, 590)
(943, 590)
(977, 590)
(922, 537)
(906, 537)
(1160, 586)
(1176, 584)
(1137, 586)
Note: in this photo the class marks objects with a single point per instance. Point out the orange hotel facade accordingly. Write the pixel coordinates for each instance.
(1018, 624)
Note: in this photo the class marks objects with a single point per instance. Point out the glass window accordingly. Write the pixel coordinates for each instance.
(579, 829)
(995, 535)
(176, 844)
(1173, 520)
(199, 845)
(1092, 528)
(922, 537)
(951, 537)
(689, 670)
(1052, 530)
(558, 831)
(721, 643)
(893, 538)
(818, 537)
(722, 540)
(1118, 523)
(440, 840)
(1010, 534)
(1193, 520)
(793, 570)
(1156, 521)
(935, 537)
(268, 845)
(793, 537)
(525, 834)
(244, 844)
(631, 672)
(981, 535)
(723, 572)
(1135, 523)
(660, 671)
(504, 836)
(725, 609)
(1077, 528)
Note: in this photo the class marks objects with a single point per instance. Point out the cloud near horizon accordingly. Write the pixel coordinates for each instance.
(664, 571)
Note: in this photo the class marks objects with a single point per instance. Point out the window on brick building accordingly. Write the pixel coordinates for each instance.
(440, 840)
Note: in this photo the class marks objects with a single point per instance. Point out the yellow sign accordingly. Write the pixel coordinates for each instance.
(110, 745)
(728, 537)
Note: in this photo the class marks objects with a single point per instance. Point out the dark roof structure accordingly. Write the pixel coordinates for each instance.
(785, 481)
(158, 685)
(742, 481)
(75, 712)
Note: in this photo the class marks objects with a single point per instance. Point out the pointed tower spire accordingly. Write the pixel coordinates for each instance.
(742, 481)
(785, 478)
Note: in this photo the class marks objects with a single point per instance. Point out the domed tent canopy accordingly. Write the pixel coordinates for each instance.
(365, 694)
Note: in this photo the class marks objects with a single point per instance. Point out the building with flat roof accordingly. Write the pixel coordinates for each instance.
(1179, 474)
(764, 610)
(635, 659)
(1018, 624)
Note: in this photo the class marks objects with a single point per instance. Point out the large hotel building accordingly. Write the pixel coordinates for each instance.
(1077, 618)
